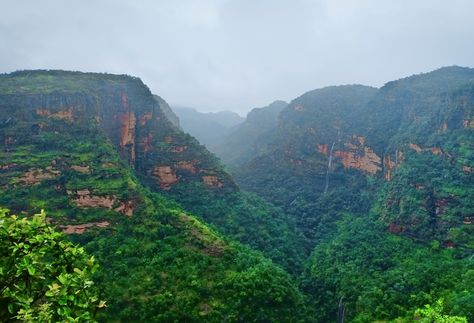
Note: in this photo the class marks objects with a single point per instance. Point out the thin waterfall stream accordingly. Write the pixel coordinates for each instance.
(329, 168)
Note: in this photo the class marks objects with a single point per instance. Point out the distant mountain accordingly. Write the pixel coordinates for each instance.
(210, 127)
(242, 141)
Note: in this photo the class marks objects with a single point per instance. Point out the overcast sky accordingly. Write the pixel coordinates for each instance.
(238, 54)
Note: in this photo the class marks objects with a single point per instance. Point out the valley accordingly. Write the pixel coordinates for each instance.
(347, 204)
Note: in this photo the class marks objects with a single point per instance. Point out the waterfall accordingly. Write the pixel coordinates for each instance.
(329, 168)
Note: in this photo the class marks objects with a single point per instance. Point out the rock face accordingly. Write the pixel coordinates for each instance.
(85, 199)
(360, 157)
(132, 118)
(95, 149)
(128, 122)
(331, 143)
(187, 165)
(82, 228)
(35, 176)
(66, 114)
(165, 176)
(212, 181)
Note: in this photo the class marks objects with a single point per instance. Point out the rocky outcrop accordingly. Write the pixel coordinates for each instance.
(146, 143)
(367, 160)
(165, 176)
(187, 166)
(126, 208)
(213, 245)
(415, 147)
(7, 166)
(357, 155)
(127, 134)
(85, 199)
(82, 228)
(396, 228)
(323, 149)
(389, 167)
(418, 149)
(212, 181)
(35, 176)
(66, 114)
(391, 163)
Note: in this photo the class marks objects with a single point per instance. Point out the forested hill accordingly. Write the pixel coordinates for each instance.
(344, 138)
(374, 178)
(97, 152)
(241, 143)
(361, 207)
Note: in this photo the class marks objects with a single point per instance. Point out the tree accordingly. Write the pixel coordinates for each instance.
(43, 278)
(434, 314)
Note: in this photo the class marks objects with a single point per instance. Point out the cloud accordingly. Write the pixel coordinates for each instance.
(238, 54)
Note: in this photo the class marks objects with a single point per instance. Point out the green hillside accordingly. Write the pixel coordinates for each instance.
(380, 182)
(77, 145)
(241, 144)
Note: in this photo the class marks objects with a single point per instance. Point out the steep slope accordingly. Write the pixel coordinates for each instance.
(428, 163)
(240, 145)
(166, 109)
(72, 143)
(163, 157)
(293, 168)
(340, 141)
(380, 182)
(209, 128)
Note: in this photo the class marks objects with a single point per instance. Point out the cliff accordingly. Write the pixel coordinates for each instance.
(350, 148)
(90, 149)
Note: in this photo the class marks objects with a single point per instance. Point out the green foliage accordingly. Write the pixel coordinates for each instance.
(247, 219)
(382, 276)
(434, 314)
(43, 278)
(165, 264)
(160, 262)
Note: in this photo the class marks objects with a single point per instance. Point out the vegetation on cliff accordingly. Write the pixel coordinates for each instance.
(79, 152)
(367, 210)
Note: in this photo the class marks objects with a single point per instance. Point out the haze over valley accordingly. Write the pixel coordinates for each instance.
(237, 161)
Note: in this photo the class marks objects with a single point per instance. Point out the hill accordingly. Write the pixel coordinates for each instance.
(209, 128)
(380, 183)
(241, 143)
(81, 146)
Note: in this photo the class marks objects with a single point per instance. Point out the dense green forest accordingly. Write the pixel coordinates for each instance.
(349, 204)
(380, 183)
(75, 145)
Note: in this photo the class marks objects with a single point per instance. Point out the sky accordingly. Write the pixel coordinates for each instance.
(238, 54)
